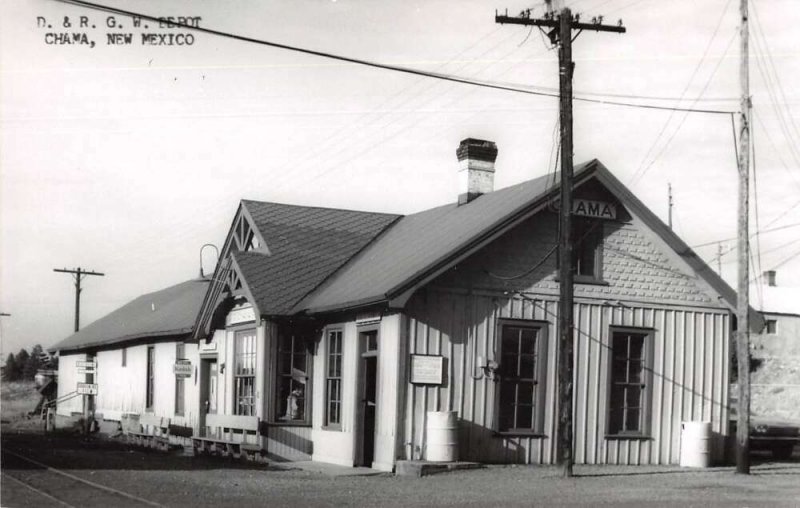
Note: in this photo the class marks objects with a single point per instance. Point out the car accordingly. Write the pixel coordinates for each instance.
(776, 436)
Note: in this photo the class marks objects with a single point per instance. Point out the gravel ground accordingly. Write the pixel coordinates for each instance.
(186, 481)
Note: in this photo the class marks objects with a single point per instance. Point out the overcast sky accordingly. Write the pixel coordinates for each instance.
(126, 159)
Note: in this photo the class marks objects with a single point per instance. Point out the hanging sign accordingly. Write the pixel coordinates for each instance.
(86, 389)
(182, 368)
(427, 369)
(596, 209)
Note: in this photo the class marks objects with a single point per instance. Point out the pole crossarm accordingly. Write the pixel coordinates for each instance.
(554, 23)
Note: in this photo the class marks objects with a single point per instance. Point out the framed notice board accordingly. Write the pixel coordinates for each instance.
(427, 369)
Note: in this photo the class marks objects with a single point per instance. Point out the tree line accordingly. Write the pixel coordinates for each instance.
(23, 365)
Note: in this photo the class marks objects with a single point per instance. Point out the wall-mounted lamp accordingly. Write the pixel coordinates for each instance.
(222, 368)
(486, 368)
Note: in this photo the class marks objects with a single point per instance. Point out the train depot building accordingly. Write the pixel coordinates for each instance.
(335, 335)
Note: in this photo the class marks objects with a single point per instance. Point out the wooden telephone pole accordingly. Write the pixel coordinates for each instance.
(88, 400)
(79, 275)
(560, 25)
(743, 248)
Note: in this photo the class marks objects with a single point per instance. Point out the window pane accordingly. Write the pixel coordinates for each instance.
(615, 421)
(524, 417)
(527, 367)
(525, 393)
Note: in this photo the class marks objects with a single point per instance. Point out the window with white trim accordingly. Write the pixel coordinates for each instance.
(244, 372)
(333, 379)
(587, 238)
(523, 349)
(630, 383)
(293, 366)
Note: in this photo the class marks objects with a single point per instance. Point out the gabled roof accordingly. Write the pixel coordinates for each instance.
(421, 243)
(167, 313)
(420, 246)
(304, 245)
(775, 299)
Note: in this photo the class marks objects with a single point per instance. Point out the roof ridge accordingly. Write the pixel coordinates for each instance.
(311, 207)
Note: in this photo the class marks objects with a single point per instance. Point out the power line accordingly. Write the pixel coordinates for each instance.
(388, 67)
(683, 94)
(644, 169)
(793, 225)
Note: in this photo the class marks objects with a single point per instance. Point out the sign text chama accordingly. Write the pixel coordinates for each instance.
(597, 209)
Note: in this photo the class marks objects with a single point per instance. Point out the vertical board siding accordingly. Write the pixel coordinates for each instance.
(688, 382)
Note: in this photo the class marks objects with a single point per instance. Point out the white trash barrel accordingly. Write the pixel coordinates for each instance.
(695, 444)
(442, 441)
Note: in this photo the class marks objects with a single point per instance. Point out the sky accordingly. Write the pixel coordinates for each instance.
(127, 158)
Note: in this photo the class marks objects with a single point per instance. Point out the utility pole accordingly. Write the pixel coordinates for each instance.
(79, 275)
(719, 258)
(88, 400)
(743, 300)
(561, 24)
(669, 192)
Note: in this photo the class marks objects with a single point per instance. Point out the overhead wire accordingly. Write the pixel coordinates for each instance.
(770, 64)
(379, 65)
(642, 168)
(706, 244)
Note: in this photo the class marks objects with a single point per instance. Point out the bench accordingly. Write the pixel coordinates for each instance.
(233, 436)
(151, 431)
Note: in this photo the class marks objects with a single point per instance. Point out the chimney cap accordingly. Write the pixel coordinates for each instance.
(477, 149)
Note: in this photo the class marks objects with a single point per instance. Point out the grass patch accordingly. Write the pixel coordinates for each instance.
(17, 399)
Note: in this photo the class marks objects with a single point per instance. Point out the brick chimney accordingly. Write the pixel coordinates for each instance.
(475, 169)
(769, 278)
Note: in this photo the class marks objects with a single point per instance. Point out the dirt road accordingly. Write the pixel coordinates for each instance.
(171, 480)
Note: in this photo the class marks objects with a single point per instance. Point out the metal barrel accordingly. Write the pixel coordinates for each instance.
(695, 444)
(442, 436)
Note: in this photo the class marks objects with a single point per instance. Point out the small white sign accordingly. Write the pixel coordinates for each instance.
(182, 368)
(86, 389)
(427, 369)
(86, 365)
(86, 370)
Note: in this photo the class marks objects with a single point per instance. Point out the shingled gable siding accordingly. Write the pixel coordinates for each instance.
(457, 315)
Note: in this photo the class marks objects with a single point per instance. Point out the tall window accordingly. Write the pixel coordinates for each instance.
(180, 354)
(587, 236)
(522, 375)
(151, 364)
(124, 357)
(292, 378)
(333, 379)
(244, 373)
(628, 412)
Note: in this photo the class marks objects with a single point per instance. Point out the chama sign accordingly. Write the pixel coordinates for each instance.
(598, 209)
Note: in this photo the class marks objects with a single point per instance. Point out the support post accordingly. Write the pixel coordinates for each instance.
(561, 26)
(88, 400)
(566, 325)
(743, 299)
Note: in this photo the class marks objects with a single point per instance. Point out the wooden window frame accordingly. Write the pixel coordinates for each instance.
(539, 379)
(767, 323)
(248, 373)
(327, 422)
(150, 383)
(302, 342)
(588, 230)
(645, 416)
(180, 383)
